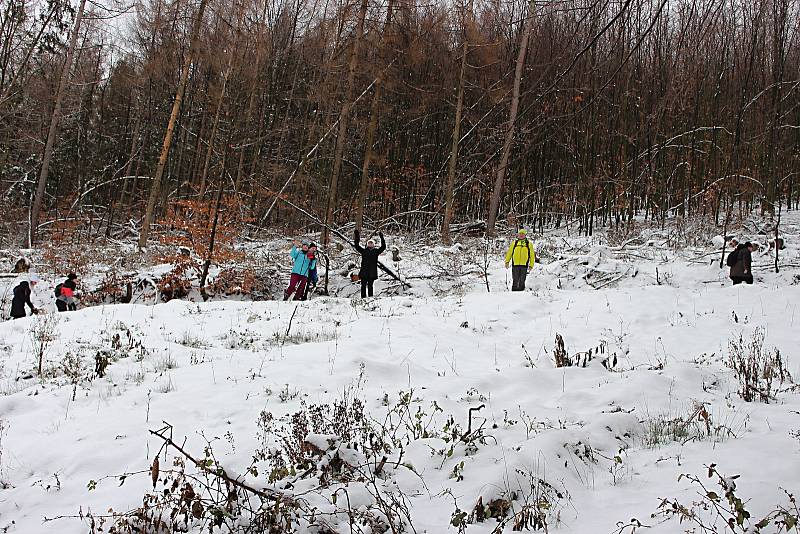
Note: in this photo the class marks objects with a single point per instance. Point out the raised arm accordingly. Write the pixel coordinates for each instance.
(356, 244)
(383, 243)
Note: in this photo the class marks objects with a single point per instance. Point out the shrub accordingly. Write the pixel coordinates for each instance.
(177, 283)
(582, 359)
(114, 287)
(303, 472)
(533, 508)
(759, 371)
(327, 450)
(713, 513)
(43, 333)
(697, 424)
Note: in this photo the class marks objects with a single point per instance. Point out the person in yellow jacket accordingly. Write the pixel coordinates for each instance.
(521, 257)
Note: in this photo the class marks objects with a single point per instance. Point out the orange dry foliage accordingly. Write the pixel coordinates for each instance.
(112, 288)
(177, 283)
(188, 224)
(233, 281)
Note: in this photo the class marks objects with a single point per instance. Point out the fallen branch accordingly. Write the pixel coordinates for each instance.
(217, 470)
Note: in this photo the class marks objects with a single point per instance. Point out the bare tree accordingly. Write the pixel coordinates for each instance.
(456, 137)
(41, 184)
(344, 116)
(500, 177)
(369, 152)
(176, 108)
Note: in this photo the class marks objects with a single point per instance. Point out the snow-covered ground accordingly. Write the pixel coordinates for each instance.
(211, 369)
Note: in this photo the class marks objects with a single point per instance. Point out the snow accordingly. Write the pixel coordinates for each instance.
(210, 369)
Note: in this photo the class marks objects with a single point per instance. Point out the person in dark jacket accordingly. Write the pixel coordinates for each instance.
(369, 262)
(741, 270)
(22, 297)
(65, 293)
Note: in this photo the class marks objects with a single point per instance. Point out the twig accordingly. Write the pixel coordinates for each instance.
(469, 423)
(290, 320)
(219, 470)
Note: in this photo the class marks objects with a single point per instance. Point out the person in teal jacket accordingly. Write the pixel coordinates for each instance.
(304, 261)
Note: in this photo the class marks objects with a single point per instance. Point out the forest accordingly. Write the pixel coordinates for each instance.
(117, 119)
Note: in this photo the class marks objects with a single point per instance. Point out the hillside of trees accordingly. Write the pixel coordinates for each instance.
(115, 118)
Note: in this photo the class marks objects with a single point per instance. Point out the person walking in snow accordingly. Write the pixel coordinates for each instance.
(22, 296)
(741, 263)
(520, 257)
(369, 262)
(66, 292)
(302, 265)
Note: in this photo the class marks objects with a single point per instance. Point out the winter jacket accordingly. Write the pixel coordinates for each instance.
(67, 291)
(302, 263)
(743, 263)
(521, 252)
(369, 258)
(22, 296)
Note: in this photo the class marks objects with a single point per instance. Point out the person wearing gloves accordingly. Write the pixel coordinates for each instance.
(22, 297)
(369, 262)
(520, 257)
(304, 260)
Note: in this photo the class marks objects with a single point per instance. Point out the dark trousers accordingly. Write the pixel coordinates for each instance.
(308, 290)
(297, 285)
(518, 275)
(746, 278)
(61, 305)
(366, 287)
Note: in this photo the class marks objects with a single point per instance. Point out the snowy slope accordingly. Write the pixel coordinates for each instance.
(213, 367)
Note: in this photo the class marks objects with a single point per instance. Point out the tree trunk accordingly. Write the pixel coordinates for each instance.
(173, 118)
(215, 124)
(373, 125)
(499, 182)
(41, 185)
(135, 147)
(213, 237)
(451, 167)
(344, 115)
(778, 241)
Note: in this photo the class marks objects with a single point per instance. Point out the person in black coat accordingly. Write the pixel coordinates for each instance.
(741, 271)
(22, 296)
(369, 262)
